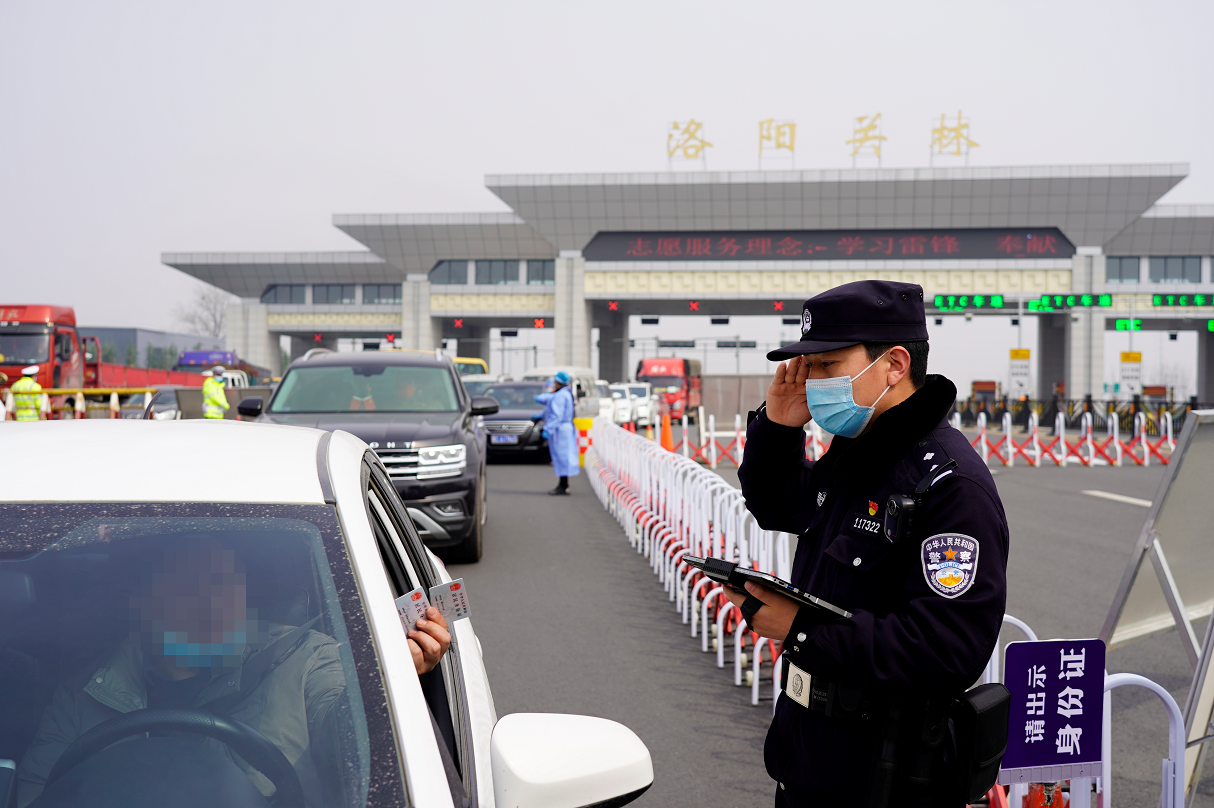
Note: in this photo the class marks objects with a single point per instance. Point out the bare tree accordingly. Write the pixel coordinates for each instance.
(206, 314)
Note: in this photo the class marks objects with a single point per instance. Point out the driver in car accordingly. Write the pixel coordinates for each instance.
(190, 641)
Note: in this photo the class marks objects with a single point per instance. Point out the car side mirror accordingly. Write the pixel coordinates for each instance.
(484, 405)
(550, 760)
(250, 407)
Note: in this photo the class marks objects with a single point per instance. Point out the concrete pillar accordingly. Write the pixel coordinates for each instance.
(1085, 330)
(1205, 364)
(572, 311)
(473, 341)
(248, 334)
(299, 347)
(418, 330)
(1051, 353)
(613, 345)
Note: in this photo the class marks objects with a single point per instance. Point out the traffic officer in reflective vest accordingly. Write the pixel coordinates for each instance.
(214, 402)
(865, 699)
(27, 396)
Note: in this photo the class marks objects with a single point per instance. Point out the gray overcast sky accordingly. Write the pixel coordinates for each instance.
(132, 128)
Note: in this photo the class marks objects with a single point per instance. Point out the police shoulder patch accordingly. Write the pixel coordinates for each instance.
(950, 563)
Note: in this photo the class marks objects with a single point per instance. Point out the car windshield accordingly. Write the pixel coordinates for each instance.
(106, 609)
(476, 387)
(665, 382)
(617, 393)
(24, 349)
(517, 395)
(639, 391)
(384, 388)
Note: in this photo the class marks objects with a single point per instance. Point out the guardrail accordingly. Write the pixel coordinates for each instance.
(670, 505)
(1087, 450)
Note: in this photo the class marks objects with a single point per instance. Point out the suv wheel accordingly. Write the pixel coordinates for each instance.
(469, 550)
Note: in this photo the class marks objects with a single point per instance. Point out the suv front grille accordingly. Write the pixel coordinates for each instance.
(400, 463)
(404, 464)
(507, 427)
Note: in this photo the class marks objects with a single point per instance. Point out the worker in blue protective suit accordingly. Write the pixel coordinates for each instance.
(558, 429)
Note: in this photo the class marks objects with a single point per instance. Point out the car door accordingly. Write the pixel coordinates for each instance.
(457, 691)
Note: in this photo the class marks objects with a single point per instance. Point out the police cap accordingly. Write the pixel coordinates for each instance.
(863, 311)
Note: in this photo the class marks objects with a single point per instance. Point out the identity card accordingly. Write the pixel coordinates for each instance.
(451, 600)
(412, 607)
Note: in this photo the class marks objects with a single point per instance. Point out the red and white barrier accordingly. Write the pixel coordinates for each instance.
(670, 505)
(1088, 450)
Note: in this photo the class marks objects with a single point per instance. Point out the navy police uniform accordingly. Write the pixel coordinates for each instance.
(927, 608)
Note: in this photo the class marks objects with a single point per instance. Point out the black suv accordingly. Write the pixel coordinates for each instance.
(412, 409)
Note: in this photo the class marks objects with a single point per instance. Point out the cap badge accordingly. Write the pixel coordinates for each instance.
(807, 320)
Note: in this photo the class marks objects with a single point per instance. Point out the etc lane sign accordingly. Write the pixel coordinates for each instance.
(1057, 710)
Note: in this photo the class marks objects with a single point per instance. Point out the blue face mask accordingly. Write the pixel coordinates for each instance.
(185, 654)
(832, 407)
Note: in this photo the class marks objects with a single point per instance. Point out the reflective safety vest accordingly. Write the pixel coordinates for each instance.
(27, 396)
(214, 402)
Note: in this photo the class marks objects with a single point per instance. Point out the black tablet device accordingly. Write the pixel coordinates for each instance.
(735, 577)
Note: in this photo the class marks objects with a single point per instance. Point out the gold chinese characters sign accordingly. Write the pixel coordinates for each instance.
(686, 140)
(774, 136)
(952, 140)
(866, 134)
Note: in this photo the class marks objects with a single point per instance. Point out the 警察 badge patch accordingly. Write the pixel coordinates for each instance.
(950, 562)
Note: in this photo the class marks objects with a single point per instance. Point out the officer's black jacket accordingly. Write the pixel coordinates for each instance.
(906, 638)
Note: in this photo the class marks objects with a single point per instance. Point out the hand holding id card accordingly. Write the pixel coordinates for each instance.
(451, 600)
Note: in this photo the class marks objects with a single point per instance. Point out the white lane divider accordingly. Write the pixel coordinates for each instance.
(1145, 503)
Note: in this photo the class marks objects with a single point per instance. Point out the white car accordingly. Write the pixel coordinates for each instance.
(644, 402)
(606, 403)
(623, 403)
(277, 581)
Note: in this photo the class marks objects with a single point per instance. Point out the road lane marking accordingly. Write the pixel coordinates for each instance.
(1145, 503)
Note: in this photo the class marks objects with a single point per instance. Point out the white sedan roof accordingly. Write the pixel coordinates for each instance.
(161, 461)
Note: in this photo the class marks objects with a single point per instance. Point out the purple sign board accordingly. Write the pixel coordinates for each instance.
(1057, 710)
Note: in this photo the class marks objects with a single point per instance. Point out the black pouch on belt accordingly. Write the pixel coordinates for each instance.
(979, 718)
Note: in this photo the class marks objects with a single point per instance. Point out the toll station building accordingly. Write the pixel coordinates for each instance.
(1084, 248)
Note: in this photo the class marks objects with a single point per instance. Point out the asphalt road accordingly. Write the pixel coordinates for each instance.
(572, 620)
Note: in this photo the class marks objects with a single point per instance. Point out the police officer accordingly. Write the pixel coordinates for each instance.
(214, 402)
(863, 716)
(27, 396)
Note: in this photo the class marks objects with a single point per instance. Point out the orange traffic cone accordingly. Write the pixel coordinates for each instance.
(667, 433)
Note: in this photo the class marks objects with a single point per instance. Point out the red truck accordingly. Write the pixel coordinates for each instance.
(46, 336)
(675, 381)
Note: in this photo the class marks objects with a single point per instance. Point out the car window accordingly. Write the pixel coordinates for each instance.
(517, 395)
(110, 608)
(408, 568)
(382, 388)
(477, 387)
(638, 390)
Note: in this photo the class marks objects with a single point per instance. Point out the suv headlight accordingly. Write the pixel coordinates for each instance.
(442, 455)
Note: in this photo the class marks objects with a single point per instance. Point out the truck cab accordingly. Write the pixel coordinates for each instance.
(676, 382)
(44, 336)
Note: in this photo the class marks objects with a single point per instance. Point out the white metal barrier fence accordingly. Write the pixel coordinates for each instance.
(670, 505)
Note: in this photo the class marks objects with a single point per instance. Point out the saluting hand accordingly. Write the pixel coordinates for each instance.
(786, 393)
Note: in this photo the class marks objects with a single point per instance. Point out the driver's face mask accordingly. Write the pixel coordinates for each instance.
(832, 407)
(177, 647)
